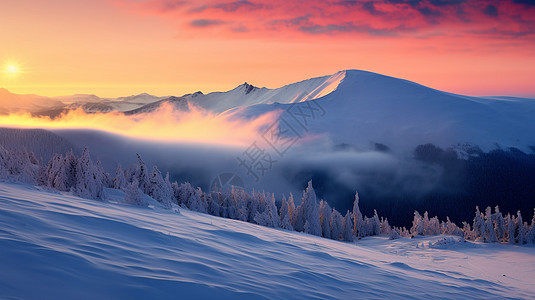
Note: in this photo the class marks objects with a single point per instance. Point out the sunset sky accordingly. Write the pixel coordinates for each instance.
(171, 47)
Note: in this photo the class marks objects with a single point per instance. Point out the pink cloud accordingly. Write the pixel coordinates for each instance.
(510, 19)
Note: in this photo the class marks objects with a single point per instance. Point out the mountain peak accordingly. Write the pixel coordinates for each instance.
(249, 88)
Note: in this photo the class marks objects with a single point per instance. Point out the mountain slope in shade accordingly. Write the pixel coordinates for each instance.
(60, 246)
(366, 108)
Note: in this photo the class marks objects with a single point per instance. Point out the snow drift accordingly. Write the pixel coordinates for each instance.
(60, 246)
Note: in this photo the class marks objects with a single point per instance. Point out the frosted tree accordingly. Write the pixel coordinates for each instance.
(159, 189)
(479, 225)
(358, 220)
(499, 224)
(394, 233)
(427, 228)
(348, 227)
(285, 216)
(59, 177)
(451, 228)
(417, 224)
(337, 228)
(521, 232)
(134, 195)
(468, 233)
(228, 206)
(384, 226)
(204, 202)
(325, 219)
(142, 175)
(88, 179)
(188, 197)
(119, 181)
(240, 198)
(433, 226)
(489, 233)
(176, 189)
(510, 222)
(375, 224)
(404, 232)
(308, 211)
(292, 210)
(269, 217)
(213, 200)
(531, 233)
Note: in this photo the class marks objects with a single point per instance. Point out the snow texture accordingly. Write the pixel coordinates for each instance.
(58, 246)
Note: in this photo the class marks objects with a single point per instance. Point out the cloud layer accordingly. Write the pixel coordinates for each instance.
(166, 124)
(392, 18)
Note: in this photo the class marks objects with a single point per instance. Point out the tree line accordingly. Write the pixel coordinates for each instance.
(87, 179)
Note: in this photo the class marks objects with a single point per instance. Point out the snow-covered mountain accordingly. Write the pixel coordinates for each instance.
(352, 107)
(57, 246)
(247, 95)
(361, 108)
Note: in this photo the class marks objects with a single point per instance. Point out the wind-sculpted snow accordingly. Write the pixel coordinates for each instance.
(56, 246)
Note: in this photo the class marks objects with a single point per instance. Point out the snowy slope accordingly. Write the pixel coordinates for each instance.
(55, 246)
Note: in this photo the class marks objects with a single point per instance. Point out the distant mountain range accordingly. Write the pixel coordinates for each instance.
(358, 108)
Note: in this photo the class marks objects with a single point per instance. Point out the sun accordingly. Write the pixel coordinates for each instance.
(12, 69)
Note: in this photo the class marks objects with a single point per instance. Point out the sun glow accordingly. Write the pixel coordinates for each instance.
(165, 124)
(12, 69)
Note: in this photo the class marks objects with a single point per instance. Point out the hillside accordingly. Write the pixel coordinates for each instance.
(59, 246)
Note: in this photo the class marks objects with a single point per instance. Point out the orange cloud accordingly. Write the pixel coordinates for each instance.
(165, 124)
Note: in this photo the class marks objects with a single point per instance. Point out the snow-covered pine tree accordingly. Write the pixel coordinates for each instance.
(285, 216)
(269, 217)
(190, 198)
(159, 189)
(337, 226)
(521, 232)
(228, 206)
(375, 224)
(240, 198)
(142, 175)
(489, 233)
(531, 233)
(384, 226)
(452, 228)
(499, 224)
(119, 181)
(479, 225)
(214, 203)
(427, 228)
(325, 219)
(348, 227)
(88, 180)
(510, 223)
(467, 230)
(292, 210)
(358, 220)
(433, 226)
(133, 194)
(308, 211)
(394, 233)
(417, 224)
